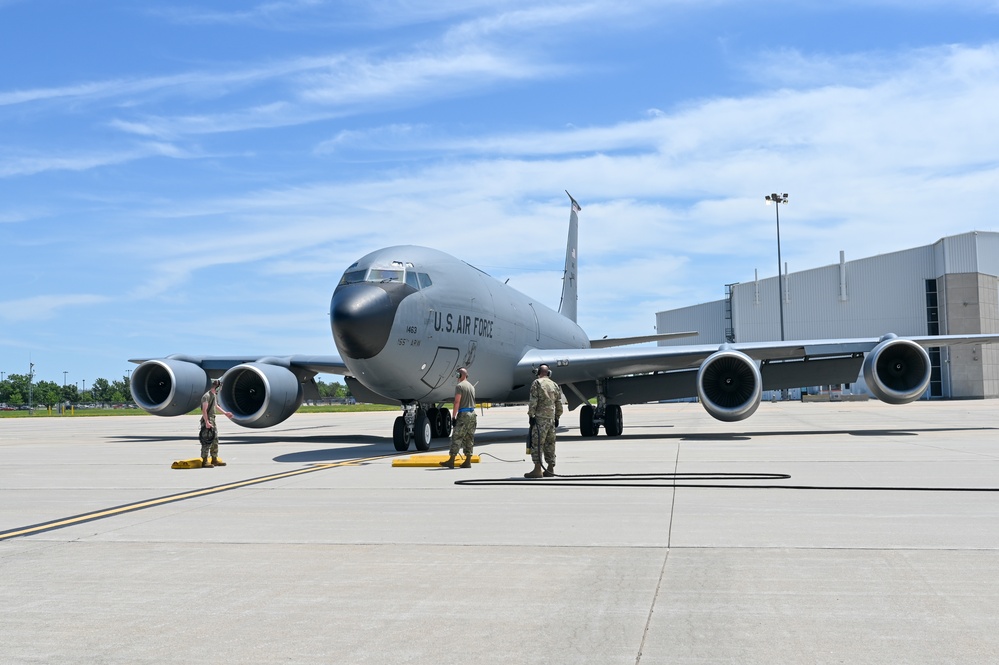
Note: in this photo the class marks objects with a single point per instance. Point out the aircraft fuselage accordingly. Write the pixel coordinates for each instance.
(405, 318)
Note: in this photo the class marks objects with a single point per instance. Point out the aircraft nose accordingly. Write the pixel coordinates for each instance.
(361, 317)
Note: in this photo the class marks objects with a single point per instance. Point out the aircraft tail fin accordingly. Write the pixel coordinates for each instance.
(569, 295)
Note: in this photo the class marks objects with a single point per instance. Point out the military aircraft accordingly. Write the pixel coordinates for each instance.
(405, 318)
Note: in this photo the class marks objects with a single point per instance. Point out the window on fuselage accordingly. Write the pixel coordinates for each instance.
(411, 280)
(425, 280)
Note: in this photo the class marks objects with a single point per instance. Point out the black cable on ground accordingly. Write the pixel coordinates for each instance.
(688, 480)
(500, 459)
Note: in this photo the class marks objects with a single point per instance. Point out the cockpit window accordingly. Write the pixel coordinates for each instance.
(382, 275)
(411, 277)
(352, 277)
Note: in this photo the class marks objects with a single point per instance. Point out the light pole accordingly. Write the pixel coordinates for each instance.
(777, 200)
(31, 380)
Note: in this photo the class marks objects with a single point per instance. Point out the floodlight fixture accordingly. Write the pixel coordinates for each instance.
(776, 199)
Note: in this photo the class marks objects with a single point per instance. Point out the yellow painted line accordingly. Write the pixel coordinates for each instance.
(150, 503)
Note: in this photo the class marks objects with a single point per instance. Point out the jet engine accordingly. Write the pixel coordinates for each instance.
(897, 371)
(260, 394)
(729, 385)
(168, 386)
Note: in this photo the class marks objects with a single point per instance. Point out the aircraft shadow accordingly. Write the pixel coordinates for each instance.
(237, 440)
(745, 436)
(500, 436)
(334, 448)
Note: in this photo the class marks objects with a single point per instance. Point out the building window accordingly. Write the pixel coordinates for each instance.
(730, 325)
(933, 328)
(936, 378)
(932, 311)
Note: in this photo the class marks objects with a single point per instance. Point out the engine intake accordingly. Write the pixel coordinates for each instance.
(168, 386)
(260, 395)
(897, 371)
(729, 385)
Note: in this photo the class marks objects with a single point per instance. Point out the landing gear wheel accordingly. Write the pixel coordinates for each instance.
(434, 416)
(446, 423)
(399, 437)
(586, 426)
(613, 420)
(422, 431)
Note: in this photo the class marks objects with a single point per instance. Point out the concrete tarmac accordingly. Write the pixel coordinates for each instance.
(810, 533)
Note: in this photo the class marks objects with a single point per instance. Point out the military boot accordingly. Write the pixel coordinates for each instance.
(217, 462)
(467, 464)
(536, 473)
(205, 464)
(550, 471)
(448, 463)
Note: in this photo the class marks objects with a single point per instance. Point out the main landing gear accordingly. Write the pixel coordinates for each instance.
(608, 415)
(590, 420)
(419, 425)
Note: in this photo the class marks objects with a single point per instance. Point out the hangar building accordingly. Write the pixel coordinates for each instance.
(948, 288)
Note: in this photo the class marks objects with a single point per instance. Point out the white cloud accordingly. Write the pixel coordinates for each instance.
(859, 163)
(40, 308)
(31, 165)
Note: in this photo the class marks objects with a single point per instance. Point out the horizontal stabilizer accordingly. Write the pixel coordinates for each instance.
(625, 341)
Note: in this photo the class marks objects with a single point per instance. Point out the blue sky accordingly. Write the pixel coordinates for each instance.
(189, 177)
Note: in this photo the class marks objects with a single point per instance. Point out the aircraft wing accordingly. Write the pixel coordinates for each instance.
(215, 366)
(604, 343)
(729, 378)
(601, 363)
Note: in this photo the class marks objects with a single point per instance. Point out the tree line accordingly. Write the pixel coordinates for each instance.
(20, 390)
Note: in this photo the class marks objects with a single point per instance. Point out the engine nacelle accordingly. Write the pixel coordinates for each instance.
(168, 386)
(729, 385)
(260, 395)
(897, 371)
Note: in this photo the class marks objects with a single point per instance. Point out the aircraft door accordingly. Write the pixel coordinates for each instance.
(444, 365)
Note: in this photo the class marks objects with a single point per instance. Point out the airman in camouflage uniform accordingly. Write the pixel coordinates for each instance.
(463, 434)
(543, 412)
(209, 435)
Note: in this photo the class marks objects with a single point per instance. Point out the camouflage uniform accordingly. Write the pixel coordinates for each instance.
(210, 449)
(545, 407)
(463, 435)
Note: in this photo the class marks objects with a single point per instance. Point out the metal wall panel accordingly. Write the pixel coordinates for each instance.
(884, 293)
(956, 254)
(708, 319)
